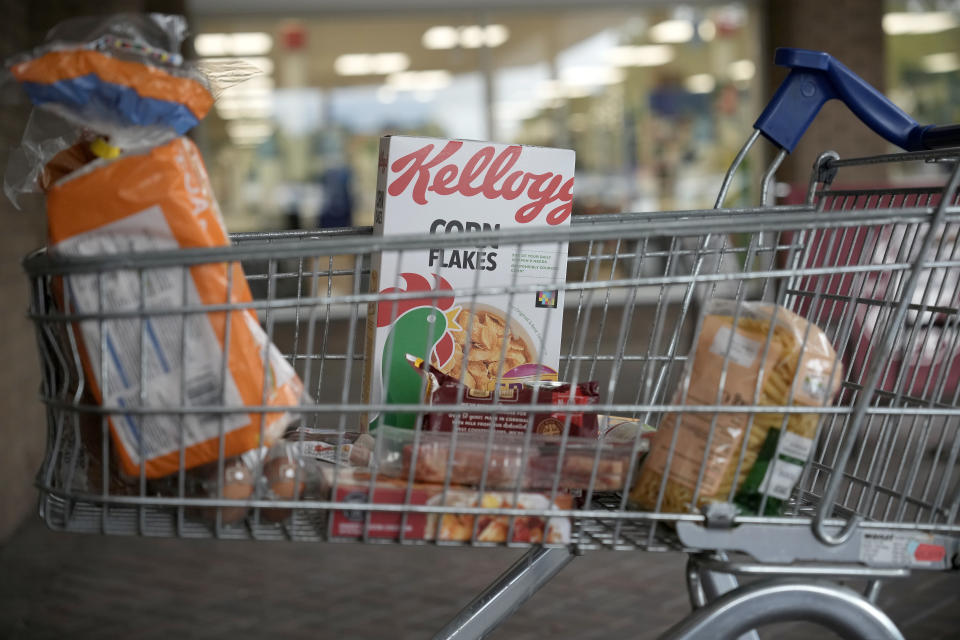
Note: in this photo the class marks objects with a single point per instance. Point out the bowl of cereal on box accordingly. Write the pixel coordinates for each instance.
(485, 327)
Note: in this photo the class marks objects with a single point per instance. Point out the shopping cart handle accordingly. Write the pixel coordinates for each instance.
(816, 77)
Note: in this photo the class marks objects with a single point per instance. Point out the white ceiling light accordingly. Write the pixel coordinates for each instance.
(672, 31)
(432, 80)
(364, 64)
(213, 44)
(251, 44)
(940, 62)
(911, 23)
(707, 30)
(353, 64)
(700, 83)
(390, 62)
(471, 36)
(496, 34)
(652, 55)
(440, 37)
(741, 70)
(233, 44)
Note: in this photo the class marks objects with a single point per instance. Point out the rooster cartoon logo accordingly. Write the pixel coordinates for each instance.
(422, 327)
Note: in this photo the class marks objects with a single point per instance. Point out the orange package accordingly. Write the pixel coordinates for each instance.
(113, 99)
(161, 199)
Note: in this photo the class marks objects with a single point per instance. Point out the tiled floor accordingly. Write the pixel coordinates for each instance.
(55, 585)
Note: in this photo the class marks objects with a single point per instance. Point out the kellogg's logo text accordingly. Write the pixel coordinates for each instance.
(486, 174)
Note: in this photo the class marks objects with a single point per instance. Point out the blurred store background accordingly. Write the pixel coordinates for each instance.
(655, 97)
(654, 100)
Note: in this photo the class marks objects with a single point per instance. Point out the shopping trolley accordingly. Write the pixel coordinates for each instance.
(875, 270)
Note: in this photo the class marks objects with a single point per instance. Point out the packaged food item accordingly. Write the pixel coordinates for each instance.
(624, 430)
(510, 462)
(562, 399)
(123, 86)
(435, 186)
(348, 448)
(279, 472)
(286, 474)
(237, 482)
(495, 528)
(354, 486)
(794, 364)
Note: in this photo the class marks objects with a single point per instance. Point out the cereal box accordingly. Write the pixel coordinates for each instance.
(431, 186)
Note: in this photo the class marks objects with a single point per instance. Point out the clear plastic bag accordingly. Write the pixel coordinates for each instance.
(120, 78)
(771, 357)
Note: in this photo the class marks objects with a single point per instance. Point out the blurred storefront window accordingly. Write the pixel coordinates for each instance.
(922, 41)
(655, 100)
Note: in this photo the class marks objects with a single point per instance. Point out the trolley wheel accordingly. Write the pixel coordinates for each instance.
(840, 609)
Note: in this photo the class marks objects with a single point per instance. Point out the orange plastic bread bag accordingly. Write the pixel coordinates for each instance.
(138, 348)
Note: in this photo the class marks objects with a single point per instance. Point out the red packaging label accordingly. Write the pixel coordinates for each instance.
(556, 396)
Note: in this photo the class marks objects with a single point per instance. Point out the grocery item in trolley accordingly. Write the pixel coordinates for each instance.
(141, 186)
(354, 486)
(347, 448)
(504, 462)
(559, 399)
(624, 429)
(237, 481)
(432, 186)
(279, 472)
(769, 356)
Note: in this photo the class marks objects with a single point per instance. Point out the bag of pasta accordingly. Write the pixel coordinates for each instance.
(762, 354)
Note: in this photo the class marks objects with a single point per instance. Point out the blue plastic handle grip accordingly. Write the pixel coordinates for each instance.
(816, 77)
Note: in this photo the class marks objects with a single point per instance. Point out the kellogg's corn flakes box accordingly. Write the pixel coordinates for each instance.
(435, 186)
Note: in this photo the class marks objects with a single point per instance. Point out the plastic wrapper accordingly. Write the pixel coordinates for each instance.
(238, 481)
(624, 430)
(775, 358)
(125, 180)
(290, 475)
(276, 473)
(508, 463)
(347, 448)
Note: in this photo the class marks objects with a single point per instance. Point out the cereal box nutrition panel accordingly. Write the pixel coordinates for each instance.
(434, 186)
